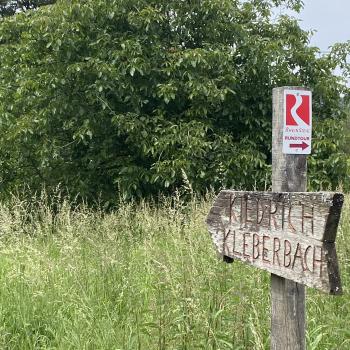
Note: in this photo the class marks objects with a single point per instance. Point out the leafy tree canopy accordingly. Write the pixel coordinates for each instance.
(10, 7)
(144, 96)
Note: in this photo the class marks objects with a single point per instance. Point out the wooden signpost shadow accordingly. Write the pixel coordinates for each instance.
(288, 232)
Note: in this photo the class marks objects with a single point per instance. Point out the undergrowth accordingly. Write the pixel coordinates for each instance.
(144, 276)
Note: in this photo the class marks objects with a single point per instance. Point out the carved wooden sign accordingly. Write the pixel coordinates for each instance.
(290, 234)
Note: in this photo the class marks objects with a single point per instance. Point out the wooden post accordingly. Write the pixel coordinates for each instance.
(289, 232)
(287, 297)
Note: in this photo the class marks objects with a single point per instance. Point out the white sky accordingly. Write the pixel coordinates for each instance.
(331, 19)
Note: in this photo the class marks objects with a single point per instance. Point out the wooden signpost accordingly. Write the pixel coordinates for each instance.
(288, 232)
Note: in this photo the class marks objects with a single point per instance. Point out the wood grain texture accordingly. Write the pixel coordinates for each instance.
(287, 297)
(310, 214)
(283, 233)
(288, 232)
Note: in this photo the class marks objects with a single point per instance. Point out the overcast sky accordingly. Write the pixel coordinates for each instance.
(331, 19)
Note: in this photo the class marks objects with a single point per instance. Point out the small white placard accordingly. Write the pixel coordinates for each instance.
(297, 125)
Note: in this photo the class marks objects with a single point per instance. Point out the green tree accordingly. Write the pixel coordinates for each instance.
(144, 96)
(10, 7)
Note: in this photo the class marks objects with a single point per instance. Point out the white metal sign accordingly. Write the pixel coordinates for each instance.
(297, 125)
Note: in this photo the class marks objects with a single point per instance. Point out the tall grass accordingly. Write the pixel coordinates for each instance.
(142, 277)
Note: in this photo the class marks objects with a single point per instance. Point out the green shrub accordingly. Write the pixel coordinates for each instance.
(139, 97)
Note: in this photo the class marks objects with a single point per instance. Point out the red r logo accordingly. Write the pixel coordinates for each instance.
(297, 110)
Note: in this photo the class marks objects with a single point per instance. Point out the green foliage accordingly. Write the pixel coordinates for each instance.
(141, 277)
(145, 96)
(10, 7)
(329, 164)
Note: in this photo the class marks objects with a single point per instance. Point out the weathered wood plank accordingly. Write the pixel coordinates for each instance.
(283, 233)
(333, 218)
(311, 214)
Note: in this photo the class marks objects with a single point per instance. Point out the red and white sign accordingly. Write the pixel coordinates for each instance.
(297, 127)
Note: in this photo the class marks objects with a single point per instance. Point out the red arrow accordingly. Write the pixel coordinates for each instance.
(302, 145)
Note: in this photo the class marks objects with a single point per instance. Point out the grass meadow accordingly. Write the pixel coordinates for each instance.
(143, 277)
